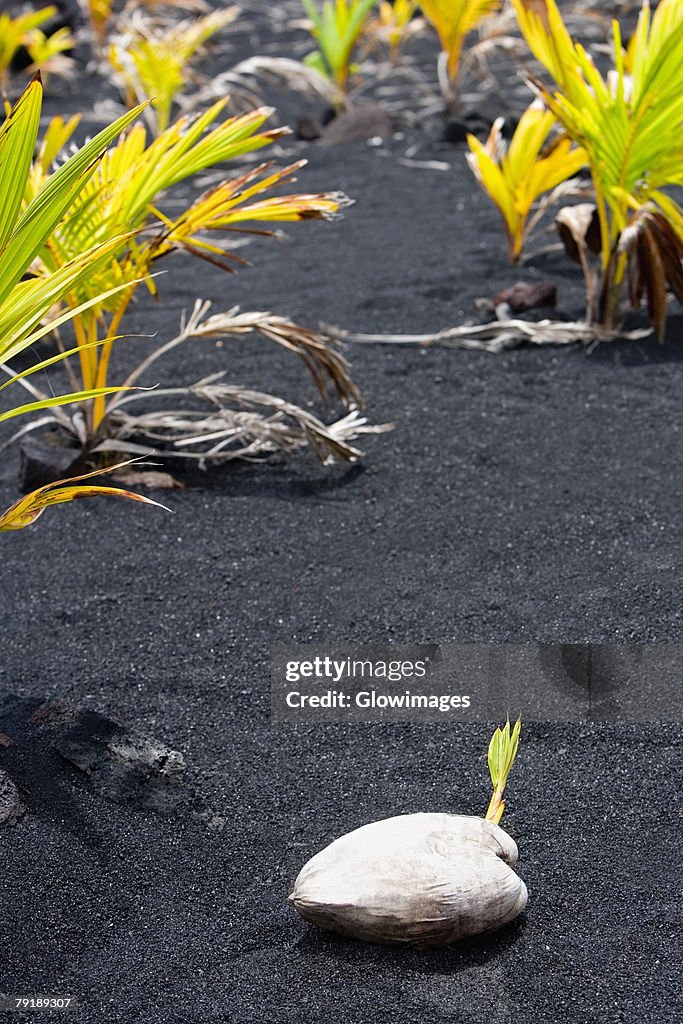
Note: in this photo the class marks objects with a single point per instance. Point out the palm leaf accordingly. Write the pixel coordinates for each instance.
(515, 176)
(501, 757)
(28, 508)
(655, 252)
(453, 19)
(337, 27)
(23, 234)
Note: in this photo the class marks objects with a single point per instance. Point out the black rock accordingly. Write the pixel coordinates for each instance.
(48, 457)
(11, 807)
(523, 295)
(308, 128)
(358, 124)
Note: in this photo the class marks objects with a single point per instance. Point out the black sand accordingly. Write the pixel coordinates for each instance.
(529, 496)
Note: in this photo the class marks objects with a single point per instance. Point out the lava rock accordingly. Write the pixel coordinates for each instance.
(523, 296)
(358, 124)
(475, 122)
(48, 457)
(57, 748)
(11, 807)
(308, 128)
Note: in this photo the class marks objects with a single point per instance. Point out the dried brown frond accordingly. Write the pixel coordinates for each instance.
(324, 362)
(497, 336)
(320, 354)
(654, 251)
(240, 424)
(579, 230)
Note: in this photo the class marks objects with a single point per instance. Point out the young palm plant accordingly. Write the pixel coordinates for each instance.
(123, 194)
(99, 15)
(453, 21)
(46, 52)
(516, 175)
(25, 303)
(501, 757)
(628, 123)
(394, 24)
(154, 61)
(337, 27)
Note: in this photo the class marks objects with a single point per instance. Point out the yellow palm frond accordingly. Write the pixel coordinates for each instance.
(28, 508)
(123, 196)
(393, 24)
(453, 20)
(515, 176)
(155, 63)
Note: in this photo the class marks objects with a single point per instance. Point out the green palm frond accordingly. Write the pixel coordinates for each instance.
(501, 757)
(337, 26)
(453, 20)
(24, 228)
(122, 196)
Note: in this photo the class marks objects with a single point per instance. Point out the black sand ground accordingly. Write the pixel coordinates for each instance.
(529, 496)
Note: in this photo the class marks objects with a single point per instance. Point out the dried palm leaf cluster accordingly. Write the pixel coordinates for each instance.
(212, 421)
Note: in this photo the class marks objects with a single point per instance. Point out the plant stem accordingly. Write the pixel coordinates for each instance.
(496, 806)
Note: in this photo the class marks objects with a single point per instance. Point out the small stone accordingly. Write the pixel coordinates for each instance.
(11, 807)
(475, 122)
(48, 457)
(308, 128)
(358, 124)
(523, 296)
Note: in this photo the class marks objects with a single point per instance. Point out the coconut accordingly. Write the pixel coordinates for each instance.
(420, 879)
(415, 879)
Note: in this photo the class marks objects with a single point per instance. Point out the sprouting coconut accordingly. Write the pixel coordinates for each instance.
(420, 879)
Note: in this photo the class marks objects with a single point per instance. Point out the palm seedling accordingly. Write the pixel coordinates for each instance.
(46, 53)
(516, 175)
(337, 27)
(501, 757)
(453, 21)
(26, 301)
(394, 24)
(424, 879)
(628, 123)
(99, 15)
(123, 196)
(155, 61)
